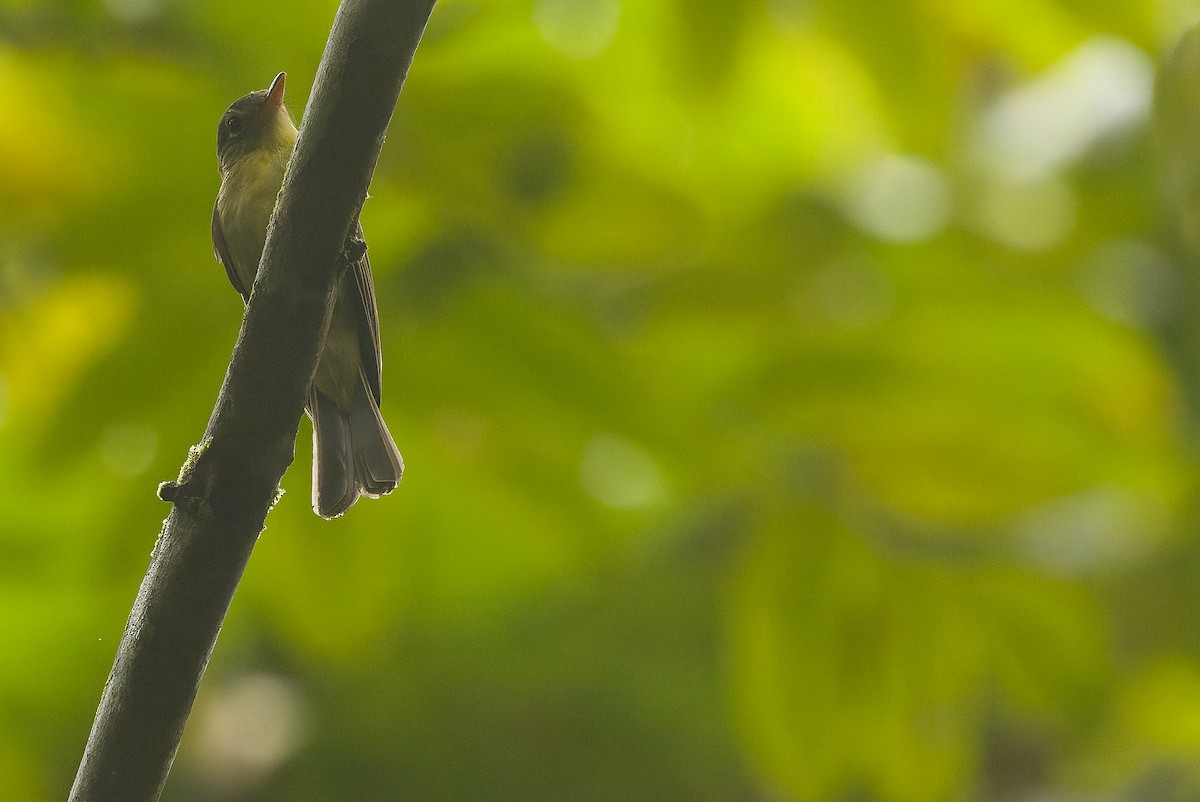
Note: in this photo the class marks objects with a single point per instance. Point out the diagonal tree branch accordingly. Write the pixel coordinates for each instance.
(230, 481)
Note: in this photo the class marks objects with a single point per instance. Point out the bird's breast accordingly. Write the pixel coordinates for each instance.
(245, 202)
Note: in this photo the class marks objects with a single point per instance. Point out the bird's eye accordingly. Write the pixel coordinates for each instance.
(233, 125)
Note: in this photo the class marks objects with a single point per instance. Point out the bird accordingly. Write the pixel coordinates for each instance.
(353, 452)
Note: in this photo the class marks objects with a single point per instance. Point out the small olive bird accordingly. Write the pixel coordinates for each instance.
(353, 453)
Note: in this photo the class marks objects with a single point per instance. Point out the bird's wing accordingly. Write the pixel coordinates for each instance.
(366, 314)
(221, 249)
(368, 330)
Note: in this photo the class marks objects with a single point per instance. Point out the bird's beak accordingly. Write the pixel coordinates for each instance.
(275, 93)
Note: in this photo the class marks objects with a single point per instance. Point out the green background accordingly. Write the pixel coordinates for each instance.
(799, 399)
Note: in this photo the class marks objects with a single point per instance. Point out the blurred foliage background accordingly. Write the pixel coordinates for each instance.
(799, 398)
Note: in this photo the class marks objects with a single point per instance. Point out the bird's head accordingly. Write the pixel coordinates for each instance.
(257, 124)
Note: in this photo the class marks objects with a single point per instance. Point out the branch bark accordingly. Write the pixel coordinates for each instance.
(230, 481)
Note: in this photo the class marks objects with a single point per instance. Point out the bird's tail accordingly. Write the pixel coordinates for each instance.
(353, 453)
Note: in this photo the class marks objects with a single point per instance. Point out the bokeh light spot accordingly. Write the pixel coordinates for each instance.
(620, 474)
(1102, 87)
(1026, 215)
(253, 724)
(1099, 528)
(900, 199)
(854, 292)
(133, 11)
(128, 449)
(1132, 282)
(577, 28)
